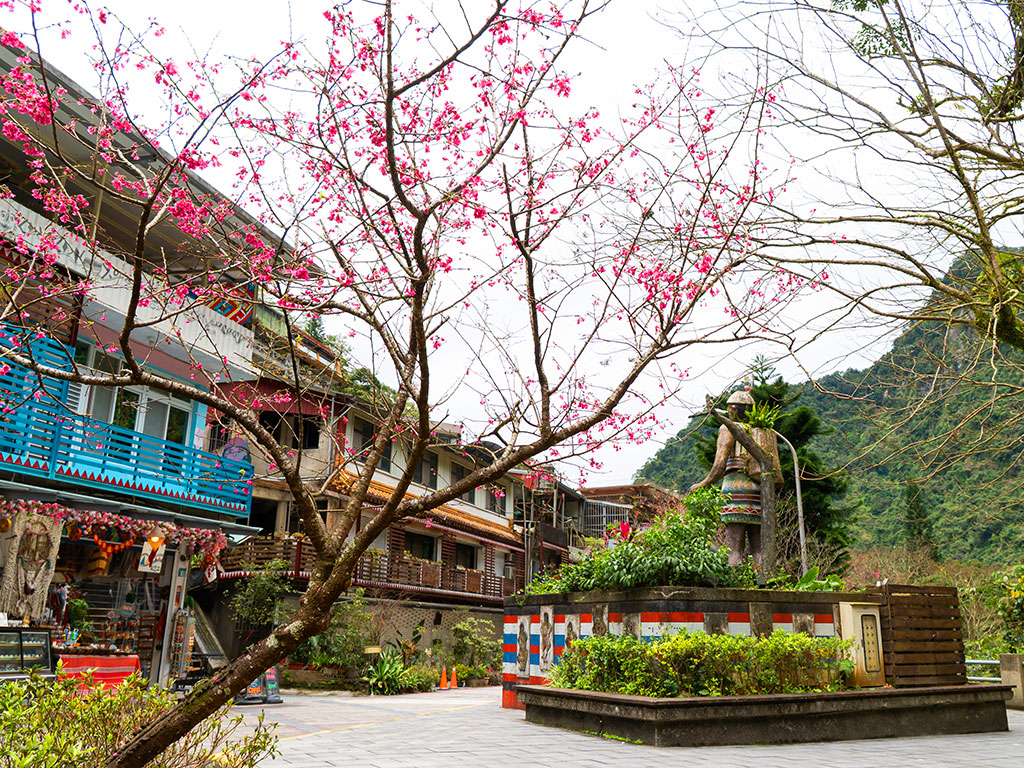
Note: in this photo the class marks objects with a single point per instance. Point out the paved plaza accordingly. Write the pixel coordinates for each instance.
(467, 728)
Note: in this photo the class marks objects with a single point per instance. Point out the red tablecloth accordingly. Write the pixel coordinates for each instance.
(107, 671)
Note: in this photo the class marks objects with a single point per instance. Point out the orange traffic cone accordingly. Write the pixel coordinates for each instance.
(443, 685)
(455, 683)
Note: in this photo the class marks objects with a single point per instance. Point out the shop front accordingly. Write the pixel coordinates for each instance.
(101, 587)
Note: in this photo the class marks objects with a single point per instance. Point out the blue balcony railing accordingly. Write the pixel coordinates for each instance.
(39, 436)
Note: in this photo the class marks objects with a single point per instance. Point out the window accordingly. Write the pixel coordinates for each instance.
(465, 555)
(148, 410)
(364, 437)
(426, 472)
(310, 433)
(496, 499)
(419, 545)
(459, 473)
(273, 423)
(220, 433)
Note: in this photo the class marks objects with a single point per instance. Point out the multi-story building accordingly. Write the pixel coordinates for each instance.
(103, 473)
(467, 554)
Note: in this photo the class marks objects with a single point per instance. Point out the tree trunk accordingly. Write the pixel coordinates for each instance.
(767, 517)
(207, 697)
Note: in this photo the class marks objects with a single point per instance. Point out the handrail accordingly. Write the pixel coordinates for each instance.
(374, 567)
(983, 663)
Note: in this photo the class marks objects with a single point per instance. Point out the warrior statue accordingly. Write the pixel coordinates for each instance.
(741, 483)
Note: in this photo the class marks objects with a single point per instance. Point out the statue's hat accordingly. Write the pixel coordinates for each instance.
(740, 397)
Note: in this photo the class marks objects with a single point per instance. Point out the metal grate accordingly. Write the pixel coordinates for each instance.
(598, 515)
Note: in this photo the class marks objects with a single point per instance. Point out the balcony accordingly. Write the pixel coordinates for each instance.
(40, 437)
(376, 570)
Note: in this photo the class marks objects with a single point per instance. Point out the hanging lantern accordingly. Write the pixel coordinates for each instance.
(5, 524)
(75, 532)
(156, 536)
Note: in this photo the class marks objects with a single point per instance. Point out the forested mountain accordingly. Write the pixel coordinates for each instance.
(931, 437)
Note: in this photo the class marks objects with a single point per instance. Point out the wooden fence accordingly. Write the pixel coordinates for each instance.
(922, 636)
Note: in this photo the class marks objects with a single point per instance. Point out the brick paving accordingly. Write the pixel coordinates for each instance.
(467, 728)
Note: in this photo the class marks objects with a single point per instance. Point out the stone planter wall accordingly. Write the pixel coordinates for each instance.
(773, 719)
(537, 627)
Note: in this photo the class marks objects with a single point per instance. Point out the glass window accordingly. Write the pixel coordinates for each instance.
(426, 472)
(496, 499)
(310, 433)
(271, 421)
(465, 555)
(102, 404)
(154, 423)
(127, 409)
(460, 472)
(177, 426)
(364, 437)
(82, 350)
(419, 545)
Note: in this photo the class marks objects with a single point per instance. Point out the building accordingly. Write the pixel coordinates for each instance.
(111, 491)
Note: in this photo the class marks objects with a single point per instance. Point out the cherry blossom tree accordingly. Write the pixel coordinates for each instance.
(430, 186)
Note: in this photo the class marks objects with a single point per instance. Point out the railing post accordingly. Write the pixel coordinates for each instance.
(58, 435)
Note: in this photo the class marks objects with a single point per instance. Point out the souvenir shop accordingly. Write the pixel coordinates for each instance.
(104, 591)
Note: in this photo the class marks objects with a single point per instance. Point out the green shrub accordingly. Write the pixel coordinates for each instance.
(420, 678)
(698, 664)
(387, 676)
(52, 724)
(809, 582)
(475, 643)
(344, 643)
(677, 549)
(465, 671)
(255, 599)
(1007, 591)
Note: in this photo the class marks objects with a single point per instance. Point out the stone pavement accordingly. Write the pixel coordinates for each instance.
(467, 728)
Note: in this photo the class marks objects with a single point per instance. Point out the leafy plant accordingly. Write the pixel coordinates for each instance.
(468, 672)
(677, 549)
(810, 582)
(698, 664)
(474, 642)
(78, 615)
(763, 415)
(420, 678)
(410, 646)
(255, 600)
(344, 643)
(48, 723)
(387, 676)
(1007, 590)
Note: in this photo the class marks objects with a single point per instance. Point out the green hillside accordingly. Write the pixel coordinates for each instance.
(931, 437)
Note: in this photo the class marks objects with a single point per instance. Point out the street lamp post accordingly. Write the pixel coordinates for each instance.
(799, 502)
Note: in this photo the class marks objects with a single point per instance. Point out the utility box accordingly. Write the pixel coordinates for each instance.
(862, 623)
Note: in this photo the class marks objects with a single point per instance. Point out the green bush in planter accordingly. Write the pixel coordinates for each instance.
(698, 664)
(678, 549)
(420, 678)
(53, 724)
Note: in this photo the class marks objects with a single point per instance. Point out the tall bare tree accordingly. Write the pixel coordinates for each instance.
(903, 120)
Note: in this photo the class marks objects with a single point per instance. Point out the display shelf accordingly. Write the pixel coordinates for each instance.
(22, 650)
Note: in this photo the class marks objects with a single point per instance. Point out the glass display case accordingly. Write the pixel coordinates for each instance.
(22, 649)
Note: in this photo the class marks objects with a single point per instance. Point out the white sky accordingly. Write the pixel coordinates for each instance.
(626, 47)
